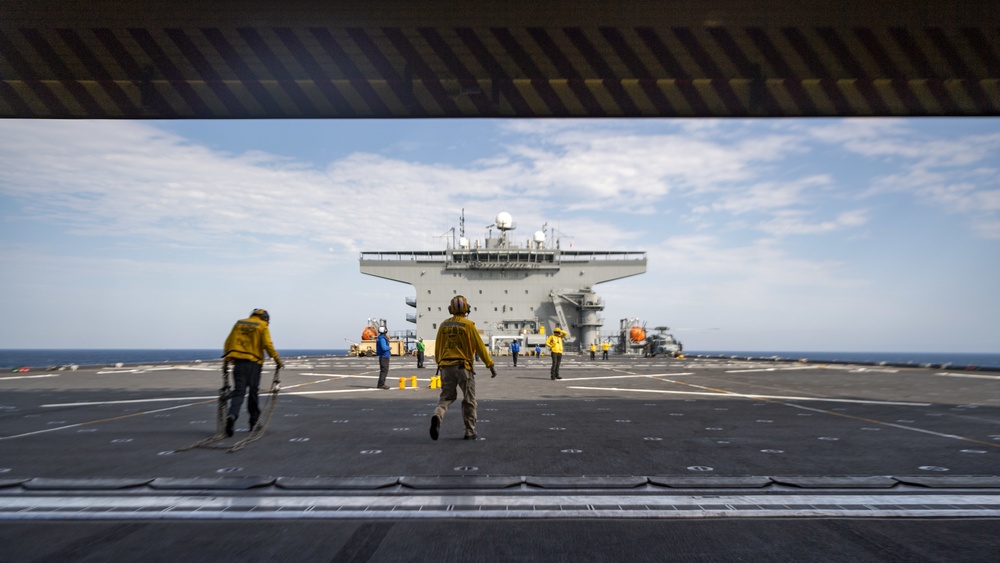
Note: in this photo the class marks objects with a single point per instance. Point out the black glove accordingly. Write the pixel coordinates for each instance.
(493, 370)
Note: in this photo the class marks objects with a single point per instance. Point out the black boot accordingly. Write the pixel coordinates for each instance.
(435, 426)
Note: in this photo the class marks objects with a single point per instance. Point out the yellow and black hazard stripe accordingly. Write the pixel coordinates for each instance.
(613, 71)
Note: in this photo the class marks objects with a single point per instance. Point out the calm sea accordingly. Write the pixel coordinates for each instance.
(41, 359)
(37, 358)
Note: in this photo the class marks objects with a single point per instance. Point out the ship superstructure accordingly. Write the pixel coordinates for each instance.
(516, 291)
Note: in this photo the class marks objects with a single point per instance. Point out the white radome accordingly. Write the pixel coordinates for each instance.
(504, 220)
(539, 236)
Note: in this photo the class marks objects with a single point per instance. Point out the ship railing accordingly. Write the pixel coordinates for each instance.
(506, 255)
(539, 258)
(405, 255)
(502, 256)
(598, 256)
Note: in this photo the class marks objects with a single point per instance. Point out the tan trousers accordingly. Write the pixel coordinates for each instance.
(453, 378)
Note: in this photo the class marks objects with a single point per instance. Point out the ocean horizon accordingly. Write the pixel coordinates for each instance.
(43, 358)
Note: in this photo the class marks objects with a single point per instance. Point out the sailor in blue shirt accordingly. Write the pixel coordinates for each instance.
(383, 352)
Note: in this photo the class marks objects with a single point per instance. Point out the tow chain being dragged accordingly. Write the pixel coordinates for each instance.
(256, 433)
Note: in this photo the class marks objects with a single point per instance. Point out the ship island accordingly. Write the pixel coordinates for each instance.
(518, 289)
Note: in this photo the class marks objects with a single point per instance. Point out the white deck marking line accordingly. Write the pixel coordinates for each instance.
(894, 425)
(145, 369)
(743, 396)
(844, 415)
(793, 368)
(95, 422)
(161, 399)
(367, 390)
(29, 376)
(285, 388)
(568, 379)
(129, 401)
(948, 374)
(778, 397)
(342, 375)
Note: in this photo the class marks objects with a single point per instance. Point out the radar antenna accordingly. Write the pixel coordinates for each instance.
(505, 223)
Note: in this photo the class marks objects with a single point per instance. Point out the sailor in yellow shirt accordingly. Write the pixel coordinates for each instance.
(593, 351)
(555, 343)
(245, 348)
(604, 347)
(458, 343)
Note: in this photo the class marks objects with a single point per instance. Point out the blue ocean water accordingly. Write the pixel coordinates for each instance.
(42, 358)
(955, 361)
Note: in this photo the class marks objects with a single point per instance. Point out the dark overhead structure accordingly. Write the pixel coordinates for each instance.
(221, 59)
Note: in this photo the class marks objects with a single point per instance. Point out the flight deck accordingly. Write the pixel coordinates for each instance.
(661, 443)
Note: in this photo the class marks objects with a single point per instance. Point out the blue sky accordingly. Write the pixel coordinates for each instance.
(762, 235)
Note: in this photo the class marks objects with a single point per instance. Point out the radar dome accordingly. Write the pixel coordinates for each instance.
(539, 236)
(504, 221)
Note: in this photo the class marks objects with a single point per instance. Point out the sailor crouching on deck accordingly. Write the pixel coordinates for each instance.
(458, 343)
(245, 348)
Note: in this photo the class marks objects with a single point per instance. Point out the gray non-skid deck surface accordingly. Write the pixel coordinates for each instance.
(629, 457)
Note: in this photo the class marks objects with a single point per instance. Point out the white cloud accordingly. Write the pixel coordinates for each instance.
(129, 201)
(956, 173)
(794, 222)
(594, 167)
(766, 196)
